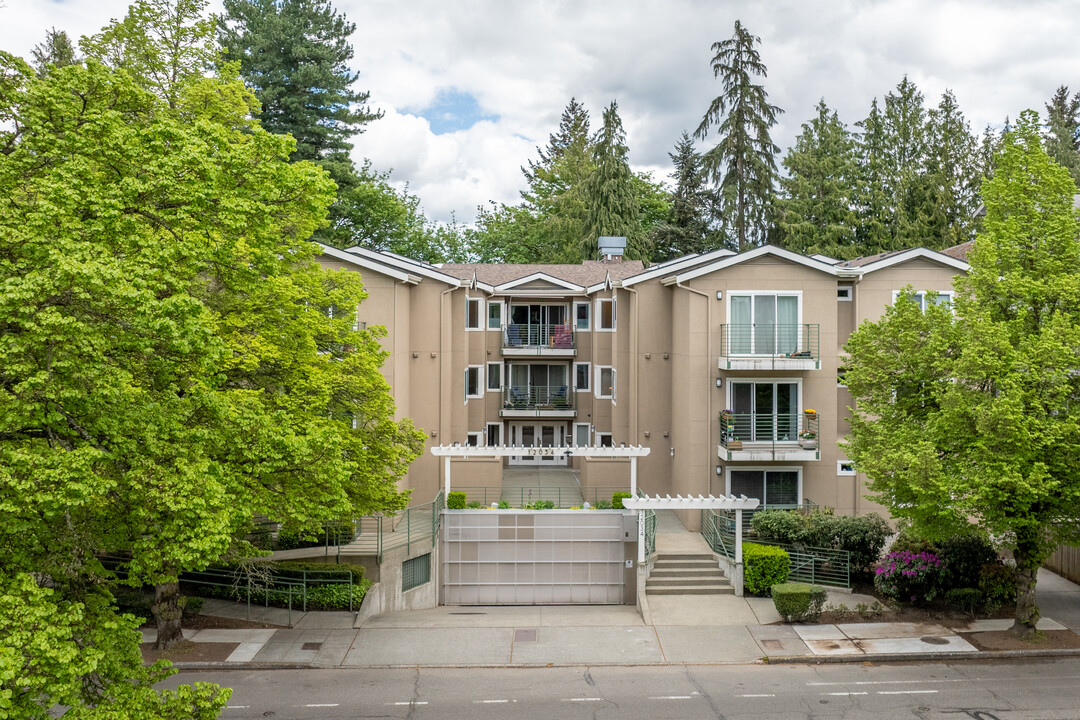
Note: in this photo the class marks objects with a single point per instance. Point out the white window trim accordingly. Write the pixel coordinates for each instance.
(597, 369)
(847, 291)
(731, 382)
(479, 439)
(481, 382)
(487, 374)
(922, 305)
(614, 314)
(502, 311)
(481, 320)
(588, 326)
(588, 377)
(597, 436)
(487, 433)
(588, 434)
(764, 468)
(841, 471)
(786, 293)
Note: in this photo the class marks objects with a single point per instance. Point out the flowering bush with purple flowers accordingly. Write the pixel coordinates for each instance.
(909, 576)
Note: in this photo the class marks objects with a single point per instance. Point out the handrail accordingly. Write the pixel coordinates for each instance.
(547, 397)
(776, 340)
(539, 336)
(519, 497)
(770, 429)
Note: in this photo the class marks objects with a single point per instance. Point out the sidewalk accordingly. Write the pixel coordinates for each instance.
(720, 629)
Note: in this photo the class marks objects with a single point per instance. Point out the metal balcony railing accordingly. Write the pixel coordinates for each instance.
(550, 398)
(770, 341)
(768, 431)
(539, 337)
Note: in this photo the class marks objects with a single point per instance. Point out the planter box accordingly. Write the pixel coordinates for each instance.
(734, 445)
(808, 443)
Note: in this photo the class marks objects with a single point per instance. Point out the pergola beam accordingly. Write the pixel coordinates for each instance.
(472, 451)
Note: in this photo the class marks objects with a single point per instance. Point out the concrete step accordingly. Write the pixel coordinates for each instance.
(686, 556)
(697, 574)
(684, 581)
(691, 590)
(684, 564)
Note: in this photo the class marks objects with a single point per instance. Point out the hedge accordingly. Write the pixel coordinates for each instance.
(617, 498)
(798, 602)
(455, 500)
(763, 567)
(863, 535)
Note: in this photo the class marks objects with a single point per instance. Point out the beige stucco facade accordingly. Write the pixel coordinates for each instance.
(524, 355)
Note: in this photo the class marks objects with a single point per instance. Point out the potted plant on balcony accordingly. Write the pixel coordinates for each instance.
(808, 439)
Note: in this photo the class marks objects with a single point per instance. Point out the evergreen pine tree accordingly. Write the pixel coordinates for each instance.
(743, 161)
(1063, 130)
(815, 208)
(57, 50)
(874, 213)
(953, 175)
(613, 204)
(686, 226)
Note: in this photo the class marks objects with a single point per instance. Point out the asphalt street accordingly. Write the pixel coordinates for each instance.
(981, 690)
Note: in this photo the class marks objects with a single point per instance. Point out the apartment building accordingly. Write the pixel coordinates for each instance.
(728, 367)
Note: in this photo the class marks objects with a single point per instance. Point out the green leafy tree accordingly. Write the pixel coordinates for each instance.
(1063, 130)
(614, 207)
(972, 415)
(685, 229)
(56, 51)
(743, 162)
(173, 363)
(815, 207)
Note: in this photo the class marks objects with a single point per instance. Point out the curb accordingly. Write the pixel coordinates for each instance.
(918, 657)
(222, 665)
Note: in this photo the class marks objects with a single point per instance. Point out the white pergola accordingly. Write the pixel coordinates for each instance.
(447, 452)
(701, 502)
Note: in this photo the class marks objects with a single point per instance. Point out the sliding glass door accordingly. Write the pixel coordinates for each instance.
(766, 411)
(764, 324)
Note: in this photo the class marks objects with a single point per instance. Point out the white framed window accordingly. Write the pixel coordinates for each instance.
(603, 439)
(605, 314)
(845, 467)
(766, 410)
(605, 382)
(774, 487)
(473, 385)
(494, 315)
(474, 439)
(581, 376)
(581, 434)
(841, 377)
(493, 433)
(582, 316)
(926, 298)
(843, 293)
(765, 322)
(494, 376)
(472, 313)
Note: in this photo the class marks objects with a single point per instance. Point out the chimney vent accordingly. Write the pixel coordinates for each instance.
(612, 248)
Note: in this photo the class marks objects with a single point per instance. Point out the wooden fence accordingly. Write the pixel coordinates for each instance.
(1065, 562)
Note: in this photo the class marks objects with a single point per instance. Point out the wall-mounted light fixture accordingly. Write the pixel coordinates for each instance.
(719, 382)
(719, 294)
(666, 433)
(432, 353)
(648, 434)
(648, 355)
(416, 355)
(719, 469)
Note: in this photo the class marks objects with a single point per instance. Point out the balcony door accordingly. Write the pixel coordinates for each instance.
(766, 411)
(532, 324)
(764, 324)
(539, 384)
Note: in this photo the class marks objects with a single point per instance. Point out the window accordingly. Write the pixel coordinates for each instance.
(472, 313)
(494, 434)
(581, 434)
(925, 299)
(473, 389)
(765, 410)
(416, 572)
(605, 313)
(581, 376)
(841, 377)
(494, 315)
(772, 487)
(845, 467)
(604, 440)
(581, 316)
(473, 439)
(764, 323)
(605, 382)
(494, 376)
(843, 293)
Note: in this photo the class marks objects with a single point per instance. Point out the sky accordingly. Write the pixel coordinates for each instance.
(470, 88)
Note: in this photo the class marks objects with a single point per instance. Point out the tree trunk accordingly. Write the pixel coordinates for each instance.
(1028, 558)
(167, 613)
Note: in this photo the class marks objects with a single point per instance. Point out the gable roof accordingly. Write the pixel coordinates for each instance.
(588, 273)
(757, 252)
(543, 277)
(884, 260)
(381, 268)
(680, 263)
(392, 260)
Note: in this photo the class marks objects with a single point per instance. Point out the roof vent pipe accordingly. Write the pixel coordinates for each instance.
(611, 248)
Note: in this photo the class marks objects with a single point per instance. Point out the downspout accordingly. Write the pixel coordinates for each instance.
(855, 495)
(445, 371)
(634, 394)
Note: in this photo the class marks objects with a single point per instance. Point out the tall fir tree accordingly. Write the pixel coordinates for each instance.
(1062, 130)
(874, 213)
(686, 227)
(815, 206)
(57, 50)
(613, 205)
(905, 149)
(743, 161)
(953, 175)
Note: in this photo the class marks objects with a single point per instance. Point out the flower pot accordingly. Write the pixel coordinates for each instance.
(808, 443)
(734, 445)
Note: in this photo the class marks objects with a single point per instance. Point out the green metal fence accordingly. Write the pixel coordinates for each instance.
(770, 341)
(818, 566)
(376, 534)
(717, 532)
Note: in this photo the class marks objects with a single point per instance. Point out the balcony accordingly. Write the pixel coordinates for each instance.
(770, 347)
(521, 401)
(762, 437)
(550, 339)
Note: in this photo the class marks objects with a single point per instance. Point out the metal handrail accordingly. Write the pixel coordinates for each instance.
(541, 336)
(770, 340)
(549, 397)
(770, 429)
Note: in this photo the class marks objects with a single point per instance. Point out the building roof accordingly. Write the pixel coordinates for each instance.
(960, 252)
(870, 263)
(590, 272)
(771, 250)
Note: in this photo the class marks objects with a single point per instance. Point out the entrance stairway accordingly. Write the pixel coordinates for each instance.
(687, 574)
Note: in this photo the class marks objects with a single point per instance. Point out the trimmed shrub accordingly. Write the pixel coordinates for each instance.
(997, 583)
(190, 607)
(763, 567)
(455, 500)
(617, 498)
(798, 602)
(863, 536)
(964, 557)
(782, 526)
(966, 600)
(909, 577)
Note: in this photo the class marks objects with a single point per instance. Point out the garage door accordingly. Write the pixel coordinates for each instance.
(521, 557)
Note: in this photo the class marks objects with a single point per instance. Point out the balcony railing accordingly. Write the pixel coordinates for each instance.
(539, 339)
(770, 346)
(545, 400)
(788, 436)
